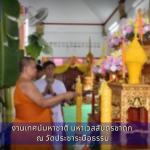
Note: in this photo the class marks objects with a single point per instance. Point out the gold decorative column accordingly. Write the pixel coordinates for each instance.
(104, 31)
(88, 77)
(106, 113)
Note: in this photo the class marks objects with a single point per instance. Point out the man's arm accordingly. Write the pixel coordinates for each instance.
(30, 90)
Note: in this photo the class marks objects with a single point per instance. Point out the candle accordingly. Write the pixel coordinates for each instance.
(79, 101)
(140, 23)
(93, 103)
(136, 28)
(123, 58)
(106, 97)
(104, 48)
(106, 113)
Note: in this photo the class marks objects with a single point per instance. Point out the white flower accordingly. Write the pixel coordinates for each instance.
(124, 32)
(99, 70)
(113, 68)
(146, 28)
(112, 41)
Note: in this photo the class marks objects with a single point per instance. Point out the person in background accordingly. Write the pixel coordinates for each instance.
(31, 106)
(50, 87)
(40, 72)
(73, 87)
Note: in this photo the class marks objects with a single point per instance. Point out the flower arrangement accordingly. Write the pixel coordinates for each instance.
(128, 29)
(115, 40)
(146, 28)
(113, 62)
(99, 67)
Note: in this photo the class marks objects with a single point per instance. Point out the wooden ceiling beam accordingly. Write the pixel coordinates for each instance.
(110, 16)
(85, 24)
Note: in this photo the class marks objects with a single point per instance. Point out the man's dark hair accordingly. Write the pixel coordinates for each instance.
(25, 61)
(47, 63)
(39, 62)
(39, 67)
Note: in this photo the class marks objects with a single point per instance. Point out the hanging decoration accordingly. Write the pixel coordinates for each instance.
(72, 63)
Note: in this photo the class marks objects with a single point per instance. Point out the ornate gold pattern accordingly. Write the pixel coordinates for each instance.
(146, 79)
(122, 12)
(115, 107)
(40, 29)
(147, 51)
(126, 96)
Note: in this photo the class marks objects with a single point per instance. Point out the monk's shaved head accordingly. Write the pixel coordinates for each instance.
(25, 61)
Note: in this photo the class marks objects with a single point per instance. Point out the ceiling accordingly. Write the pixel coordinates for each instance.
(77, 11)
(84, 11)
(102, 9)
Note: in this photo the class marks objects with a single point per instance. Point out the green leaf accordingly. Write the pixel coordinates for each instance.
(36, 34)
(47, 50)
(12, 42)
(10, 7)
(36, 45)
(10, 63)
(11, 27)
(32, 38)
(9, 55)
(1, 101)
(2, 50)
(33, 50)
(42, 42)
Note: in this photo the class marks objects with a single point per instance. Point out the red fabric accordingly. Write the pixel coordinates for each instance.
(137, 114)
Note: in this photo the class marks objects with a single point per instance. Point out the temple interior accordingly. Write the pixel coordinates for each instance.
(101, 50)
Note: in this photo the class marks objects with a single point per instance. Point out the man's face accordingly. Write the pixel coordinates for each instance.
(31, 69)
(49, 71)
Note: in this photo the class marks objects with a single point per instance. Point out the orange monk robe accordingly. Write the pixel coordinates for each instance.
(28, 112)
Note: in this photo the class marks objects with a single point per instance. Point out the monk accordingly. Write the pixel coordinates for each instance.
(31, 106)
